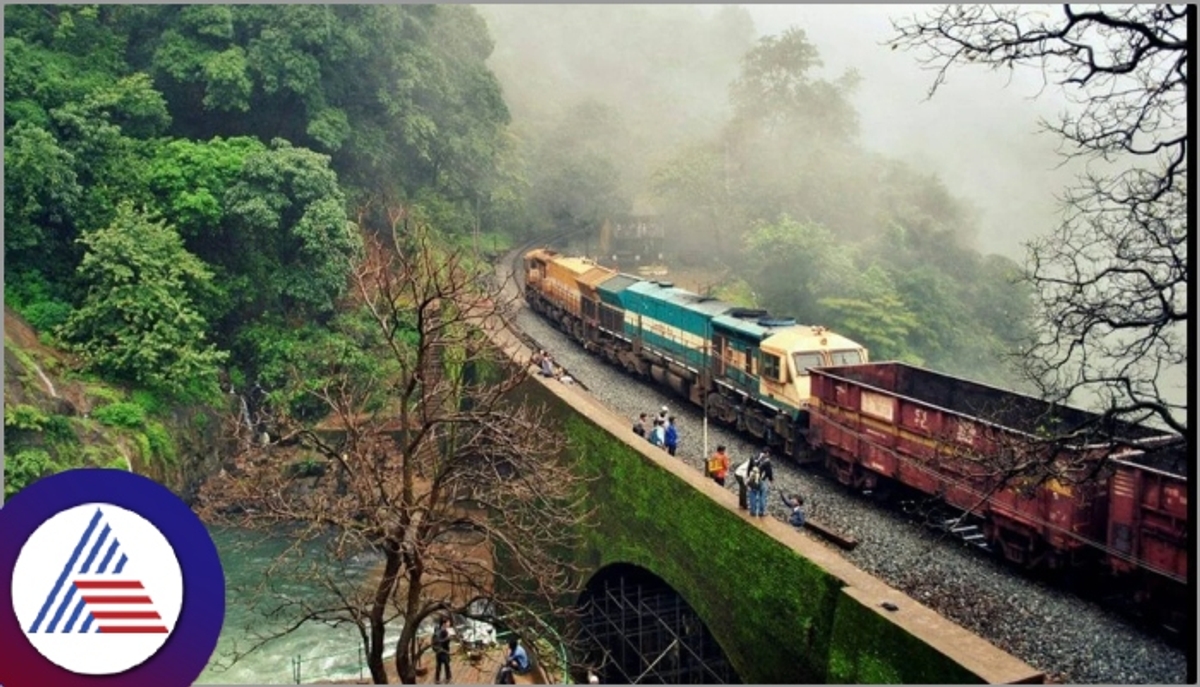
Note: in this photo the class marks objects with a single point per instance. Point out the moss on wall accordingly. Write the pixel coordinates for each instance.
(779, 618)
(769, 609)
(867, 649)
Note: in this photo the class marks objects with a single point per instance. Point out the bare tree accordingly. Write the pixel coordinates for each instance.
(422, 458)
(1112, 278)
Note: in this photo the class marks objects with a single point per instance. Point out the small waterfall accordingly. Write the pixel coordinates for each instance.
(246, 413)
(46, 381)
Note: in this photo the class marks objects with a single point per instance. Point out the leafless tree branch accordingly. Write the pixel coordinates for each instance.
(1112, 278)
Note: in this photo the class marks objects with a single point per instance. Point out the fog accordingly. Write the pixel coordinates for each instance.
(979, 134)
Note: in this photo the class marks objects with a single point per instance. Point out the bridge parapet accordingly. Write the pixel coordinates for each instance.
(785, 608)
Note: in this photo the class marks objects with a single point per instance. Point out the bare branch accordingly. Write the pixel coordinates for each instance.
(1112, 278)
(422, 459)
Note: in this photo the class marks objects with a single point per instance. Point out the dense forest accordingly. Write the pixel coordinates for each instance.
(188, 188)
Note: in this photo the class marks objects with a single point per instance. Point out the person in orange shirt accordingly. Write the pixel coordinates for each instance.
(717, 467)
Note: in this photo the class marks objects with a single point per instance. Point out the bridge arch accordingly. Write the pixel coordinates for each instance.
(638, 629)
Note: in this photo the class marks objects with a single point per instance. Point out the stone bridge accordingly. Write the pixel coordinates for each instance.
(782, 607)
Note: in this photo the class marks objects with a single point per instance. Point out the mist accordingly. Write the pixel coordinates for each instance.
(979, 134)
(617, 107)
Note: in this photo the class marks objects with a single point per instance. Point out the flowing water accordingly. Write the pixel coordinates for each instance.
(323, 652)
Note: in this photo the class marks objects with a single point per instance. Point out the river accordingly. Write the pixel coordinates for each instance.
(324, 652)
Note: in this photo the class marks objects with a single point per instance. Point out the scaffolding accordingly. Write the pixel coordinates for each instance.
(647, 634)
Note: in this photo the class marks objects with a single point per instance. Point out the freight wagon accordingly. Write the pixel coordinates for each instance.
(1112, 495)
(745, 367)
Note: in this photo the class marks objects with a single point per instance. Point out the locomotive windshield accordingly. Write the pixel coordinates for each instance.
(807, 359)
(846, 357)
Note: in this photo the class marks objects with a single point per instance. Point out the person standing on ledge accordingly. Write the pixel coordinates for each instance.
(671, 439)
(740, 475)
(717, 467)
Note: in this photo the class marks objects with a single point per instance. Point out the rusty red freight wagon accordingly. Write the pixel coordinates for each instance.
(993, 453)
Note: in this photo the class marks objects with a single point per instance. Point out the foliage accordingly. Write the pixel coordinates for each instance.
(171, 108)
(874, 314)
(962, 313)
(25, 417)
(162, 446)
(128, 415)
(419, 459)
(292, 244)
(24, 467)
(138, 322)
(1111, 279)
(149, 402)
(775, 90)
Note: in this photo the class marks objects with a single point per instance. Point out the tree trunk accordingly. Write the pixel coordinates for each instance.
(383, 591)
(406, 658)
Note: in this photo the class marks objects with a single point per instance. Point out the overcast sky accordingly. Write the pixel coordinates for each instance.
(979, 133)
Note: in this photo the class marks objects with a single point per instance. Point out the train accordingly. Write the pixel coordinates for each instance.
(1112, 499)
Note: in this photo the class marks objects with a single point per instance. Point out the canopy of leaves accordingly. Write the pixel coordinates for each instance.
(255, 132)
(138, 322)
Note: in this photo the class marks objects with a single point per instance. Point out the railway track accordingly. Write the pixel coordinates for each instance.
(918, 551)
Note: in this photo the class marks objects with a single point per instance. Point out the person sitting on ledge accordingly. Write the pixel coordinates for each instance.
(795, 503)
(517, 663)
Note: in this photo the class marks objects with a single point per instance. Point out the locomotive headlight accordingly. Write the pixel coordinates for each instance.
(660, 256)
(637, 258)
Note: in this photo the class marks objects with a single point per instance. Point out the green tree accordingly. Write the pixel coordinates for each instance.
(873, 314)
(41, 189)
(189, 180)
(776, 89)
(138, 322)
(292, 245)
(807, 253)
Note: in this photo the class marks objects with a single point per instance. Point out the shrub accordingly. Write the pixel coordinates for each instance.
(161, 444)
(44, 316)
(24, 468)
(122, 414)
(27, 417)
(148, 401)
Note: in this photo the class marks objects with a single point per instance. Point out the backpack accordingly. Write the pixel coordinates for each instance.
(711, 466)
(754, 476)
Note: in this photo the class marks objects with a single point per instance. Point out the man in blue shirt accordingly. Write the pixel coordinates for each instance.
(516, 662)
(672, 436)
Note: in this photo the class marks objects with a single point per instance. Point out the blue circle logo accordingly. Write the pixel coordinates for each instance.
(113, 580)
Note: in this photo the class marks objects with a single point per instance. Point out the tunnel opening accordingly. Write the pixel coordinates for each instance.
(636, 629)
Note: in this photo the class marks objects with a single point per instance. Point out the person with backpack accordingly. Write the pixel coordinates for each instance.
(671, 437)
(760, 475)
(639, 425)
(740, 475)
(441, 650)
(717, 467)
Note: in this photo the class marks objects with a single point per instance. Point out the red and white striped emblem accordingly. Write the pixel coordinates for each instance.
(97, 589)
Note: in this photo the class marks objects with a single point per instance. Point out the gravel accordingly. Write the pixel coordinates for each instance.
(1069, 639)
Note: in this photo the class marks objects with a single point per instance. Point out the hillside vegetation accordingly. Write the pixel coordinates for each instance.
(188, 190)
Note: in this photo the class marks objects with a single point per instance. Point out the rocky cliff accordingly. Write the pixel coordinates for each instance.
(57, 418)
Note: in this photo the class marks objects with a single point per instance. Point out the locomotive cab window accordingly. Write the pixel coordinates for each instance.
(807, 359)
(846, 357)
(771, 368)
